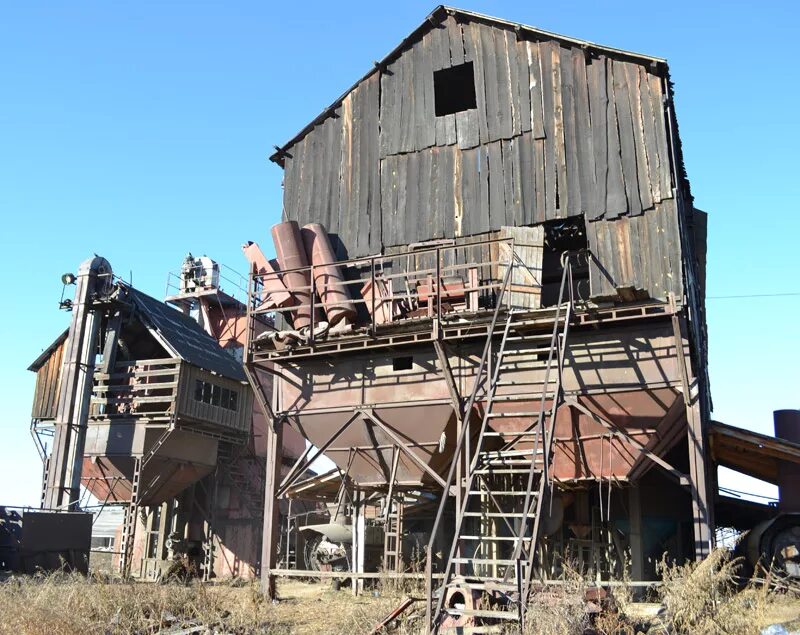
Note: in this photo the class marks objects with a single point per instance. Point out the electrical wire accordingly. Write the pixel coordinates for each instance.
(754, 295)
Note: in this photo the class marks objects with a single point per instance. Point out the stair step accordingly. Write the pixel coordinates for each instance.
(489, 584)
(509, 433)
(510, 453)
(501, 561)
(494, 538)
(495, 615)
(477, 492)
(502, 470)
(500, 415)
(517, 397)
(498, 514)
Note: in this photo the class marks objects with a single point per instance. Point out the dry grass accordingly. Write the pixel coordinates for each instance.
(560, 609)
(704, 599)
(698, 598)
(64, 604)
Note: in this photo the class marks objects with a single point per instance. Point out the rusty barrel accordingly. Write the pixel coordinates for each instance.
(294, 265)
(328, 276)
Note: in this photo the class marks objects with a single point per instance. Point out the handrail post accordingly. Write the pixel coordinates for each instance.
(313, 311)
(373, 324)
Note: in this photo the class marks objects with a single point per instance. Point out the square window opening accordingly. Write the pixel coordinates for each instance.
(454, 89)
(403, 363)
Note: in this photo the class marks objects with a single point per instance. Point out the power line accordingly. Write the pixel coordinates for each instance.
(753, 295)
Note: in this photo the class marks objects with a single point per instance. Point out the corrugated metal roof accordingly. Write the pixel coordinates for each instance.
(184, 336)
(432, 20)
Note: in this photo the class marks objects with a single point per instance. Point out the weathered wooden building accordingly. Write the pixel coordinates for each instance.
(518, 199)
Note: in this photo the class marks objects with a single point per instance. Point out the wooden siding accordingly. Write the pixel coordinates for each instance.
(636, 257)
(197, 411)
(558, 130)
(48, 382)
(332, 174)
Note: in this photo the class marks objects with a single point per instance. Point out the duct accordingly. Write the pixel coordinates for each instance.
(294, 263)
(274, 294)
(328, 277)
(787, 427)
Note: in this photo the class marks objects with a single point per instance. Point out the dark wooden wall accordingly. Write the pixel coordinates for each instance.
(48, 381)
(558, 131)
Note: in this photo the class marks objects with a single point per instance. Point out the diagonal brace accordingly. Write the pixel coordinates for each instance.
(370, 414)
(615, 429)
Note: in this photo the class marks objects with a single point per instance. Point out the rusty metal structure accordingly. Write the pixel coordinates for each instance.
(487, 309)
(146, 405)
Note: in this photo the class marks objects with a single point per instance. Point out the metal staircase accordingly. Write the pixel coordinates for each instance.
(508, 478)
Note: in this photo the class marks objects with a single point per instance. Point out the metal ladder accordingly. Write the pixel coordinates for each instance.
(393, 537)
(506, 487)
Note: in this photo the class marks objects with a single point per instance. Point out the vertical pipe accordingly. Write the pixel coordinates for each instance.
(293, 262)
(787, 427)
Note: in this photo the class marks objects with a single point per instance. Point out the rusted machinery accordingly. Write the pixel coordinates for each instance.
(148, 407)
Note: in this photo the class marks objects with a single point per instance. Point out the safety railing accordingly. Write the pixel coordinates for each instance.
(432, 283)
(136, 388)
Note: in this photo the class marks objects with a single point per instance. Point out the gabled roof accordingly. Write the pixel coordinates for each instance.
(46, 353)
(434, 18)
(183, 336)
(751, 453)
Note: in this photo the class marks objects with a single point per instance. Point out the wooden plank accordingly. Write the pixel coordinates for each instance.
(598, 107)
(491, 86)
(388, 113)
(373, 202)
(346, 171)
(535, 76)
(439, 47)
(562, 191)
(469, 191)
(550, 169)
(627, 142)
(403, 210)
(458, 203)
(425, 70)
(523, 85)
(642, 167)
(616, 201)
(657, 102)
(388, 200)
(573, 202)
(414, 218)
(513, 81)
(417, 87)
(526, 177)
(467, 133)
(406, 87)
(482, 219)
(660, 264)
(651, 145)
(456, 40)
(425, 201)
(583, 128)
(512, 185)
(496, 179)
(645, 262)
(540, 205)
(446, 194)
(474, 53)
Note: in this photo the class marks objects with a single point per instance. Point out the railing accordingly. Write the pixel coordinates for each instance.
(141, 388)
(235, 284)
(419, 285)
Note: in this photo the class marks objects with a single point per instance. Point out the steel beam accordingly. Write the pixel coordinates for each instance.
(403, 445)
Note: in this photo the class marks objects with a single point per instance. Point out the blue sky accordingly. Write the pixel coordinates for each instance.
(141, 131)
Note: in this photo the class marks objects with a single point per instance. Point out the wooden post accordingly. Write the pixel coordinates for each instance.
(359, 535)
(637, 550)
(696, 436)
(269, 544)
